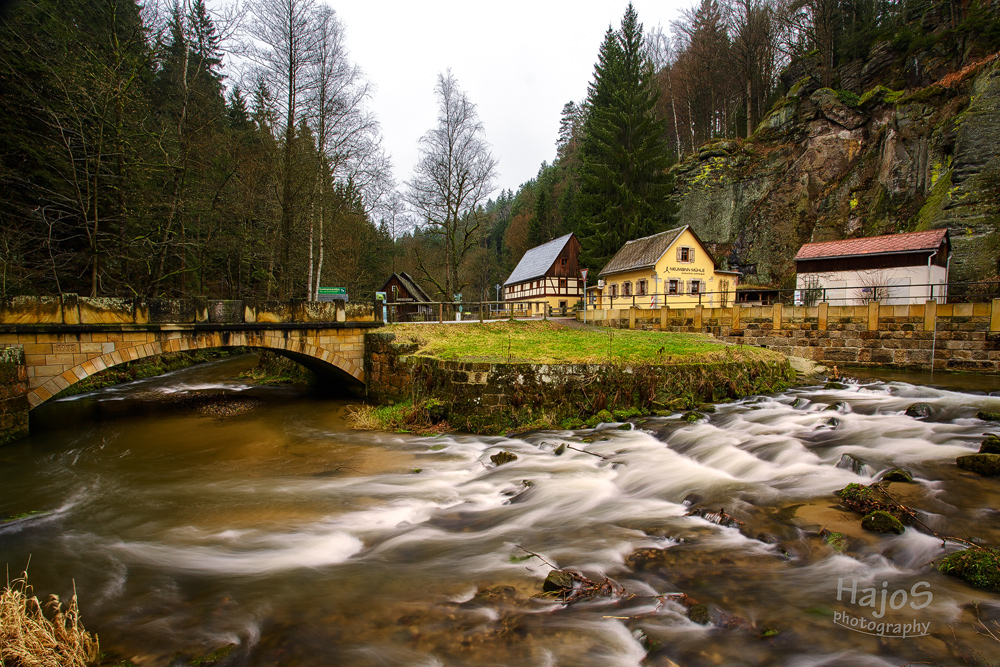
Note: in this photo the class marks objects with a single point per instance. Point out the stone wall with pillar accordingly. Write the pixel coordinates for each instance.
(956, 337)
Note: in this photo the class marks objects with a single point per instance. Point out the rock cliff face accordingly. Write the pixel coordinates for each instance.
(828, 164)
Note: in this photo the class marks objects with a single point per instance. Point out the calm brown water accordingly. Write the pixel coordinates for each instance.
(305, 543)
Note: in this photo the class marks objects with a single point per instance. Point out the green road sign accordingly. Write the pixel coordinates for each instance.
(333, 290)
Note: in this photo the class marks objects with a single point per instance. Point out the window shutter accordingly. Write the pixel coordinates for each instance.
(678, 253)
(691, 255)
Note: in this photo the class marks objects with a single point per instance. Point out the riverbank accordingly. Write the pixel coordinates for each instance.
(513, 376)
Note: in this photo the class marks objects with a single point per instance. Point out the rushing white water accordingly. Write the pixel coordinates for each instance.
(305, 543)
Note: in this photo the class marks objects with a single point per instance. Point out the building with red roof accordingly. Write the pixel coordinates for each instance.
(892, 269)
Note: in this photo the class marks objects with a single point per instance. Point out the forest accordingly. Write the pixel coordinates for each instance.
(133, 162)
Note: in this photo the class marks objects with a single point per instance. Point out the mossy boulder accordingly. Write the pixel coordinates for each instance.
(700, 614)
(865, 500)
(691, 417)
(984, 464)
(503, 457)
(897, 475)
(835, 385)
(977, 566)
(572, 424)
(991, 445)
(918, 411)
(988, 416)
(881, 521)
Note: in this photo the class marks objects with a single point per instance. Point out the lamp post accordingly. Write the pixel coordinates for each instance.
(498, 297)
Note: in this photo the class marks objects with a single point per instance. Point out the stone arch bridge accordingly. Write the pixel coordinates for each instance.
(68, 338)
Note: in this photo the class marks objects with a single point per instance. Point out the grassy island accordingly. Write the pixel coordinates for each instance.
(514, 375)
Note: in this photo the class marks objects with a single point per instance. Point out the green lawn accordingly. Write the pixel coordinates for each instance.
(552, 343)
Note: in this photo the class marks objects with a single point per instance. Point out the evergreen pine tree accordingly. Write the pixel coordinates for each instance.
(623, 176)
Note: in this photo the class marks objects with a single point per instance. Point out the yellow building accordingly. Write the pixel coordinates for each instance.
(671, 268)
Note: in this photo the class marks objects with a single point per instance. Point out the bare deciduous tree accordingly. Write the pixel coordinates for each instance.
(453, 178)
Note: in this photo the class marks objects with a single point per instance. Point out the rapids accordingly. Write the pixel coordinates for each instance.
(281, 531)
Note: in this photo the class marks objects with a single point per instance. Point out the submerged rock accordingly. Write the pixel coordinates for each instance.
(918, 411)
(700, 614)
(881, 521)
(897, 475)
(503, 457)
(988, 416)
(854, 464)
(984, 464)
(991, 445)
(863, 500)
(977, 566)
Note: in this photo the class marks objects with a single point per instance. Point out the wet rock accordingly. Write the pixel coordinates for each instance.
(560, 450)
(767, 538)
(503, 457)
(897, 475)
(991, 445)
(979, 567)
(918, 411)
(691, 417)
(700, 614)
(988, 416)
(624, 427)
(854, 464)
(984, 464)
(494, 595)
(880, 521)
(839, 406)
(835, 385)
(865, 500)
(558, 581)
(837, 541)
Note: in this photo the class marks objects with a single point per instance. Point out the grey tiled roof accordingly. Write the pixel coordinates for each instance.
(642, 253)
(538, 260)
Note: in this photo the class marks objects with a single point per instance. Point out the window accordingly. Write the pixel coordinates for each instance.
(562, 283)
(564, 261)
(614, 290)
(627, 289)
(685, 254)
(672, 287)
(640, 287)
(695, 286)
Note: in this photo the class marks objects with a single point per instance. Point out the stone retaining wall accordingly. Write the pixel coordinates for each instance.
(954, 337)
(13, 395)
(485, 397)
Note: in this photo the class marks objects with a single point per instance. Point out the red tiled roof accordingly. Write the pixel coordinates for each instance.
(874, 245)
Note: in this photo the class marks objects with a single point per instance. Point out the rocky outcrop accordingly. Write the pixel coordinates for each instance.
(829, 164)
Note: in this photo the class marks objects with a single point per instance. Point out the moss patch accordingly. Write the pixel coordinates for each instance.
(865, 500)
(881, 521)
(979, 567)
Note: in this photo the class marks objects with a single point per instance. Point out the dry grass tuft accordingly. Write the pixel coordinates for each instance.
(29, 639)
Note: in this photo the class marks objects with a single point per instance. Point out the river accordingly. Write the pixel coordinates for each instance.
(270, 525)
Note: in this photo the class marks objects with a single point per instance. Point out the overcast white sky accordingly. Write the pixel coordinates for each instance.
(519, 61)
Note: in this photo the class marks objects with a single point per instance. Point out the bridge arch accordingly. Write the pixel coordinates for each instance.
(332, 356)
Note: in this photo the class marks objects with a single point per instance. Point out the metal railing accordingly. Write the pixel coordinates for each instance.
(450, 311)
(955, 292)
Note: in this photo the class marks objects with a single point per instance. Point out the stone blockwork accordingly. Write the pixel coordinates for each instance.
(13, 395)
(484, 397)
(67, 338)
(954, 337)
(73, 309)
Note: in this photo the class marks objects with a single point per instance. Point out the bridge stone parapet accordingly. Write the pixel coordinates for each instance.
(68, 338)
